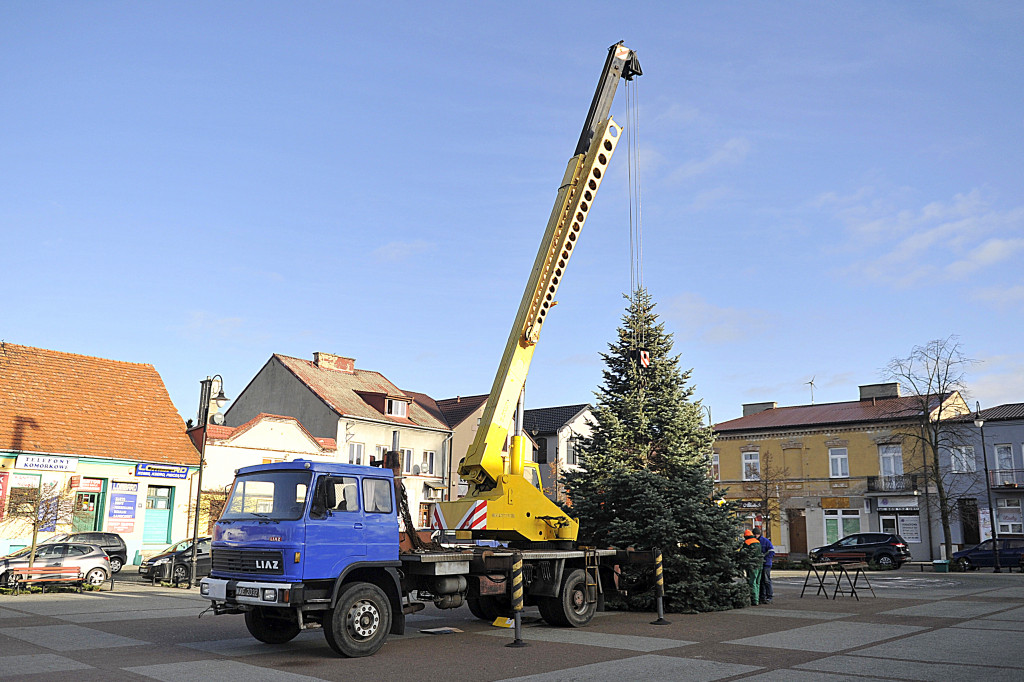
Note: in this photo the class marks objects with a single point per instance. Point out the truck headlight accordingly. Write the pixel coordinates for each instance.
(269, 594)
(204, 588)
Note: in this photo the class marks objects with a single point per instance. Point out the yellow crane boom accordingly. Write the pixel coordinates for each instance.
(502, 504)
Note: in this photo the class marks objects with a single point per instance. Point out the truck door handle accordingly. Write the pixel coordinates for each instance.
(357, 526)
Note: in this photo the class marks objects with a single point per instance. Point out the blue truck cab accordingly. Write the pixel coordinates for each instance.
(310, 544)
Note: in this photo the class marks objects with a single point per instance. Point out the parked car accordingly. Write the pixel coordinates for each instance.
(111, 542)
(92, 560)
(885, 550)
(175, 562)
(1011, 554)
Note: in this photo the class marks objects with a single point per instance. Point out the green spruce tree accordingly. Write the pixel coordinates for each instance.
(644, 477)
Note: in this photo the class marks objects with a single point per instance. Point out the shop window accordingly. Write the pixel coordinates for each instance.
(841, 522)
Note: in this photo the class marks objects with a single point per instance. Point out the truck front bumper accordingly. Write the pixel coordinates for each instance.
(251, 592)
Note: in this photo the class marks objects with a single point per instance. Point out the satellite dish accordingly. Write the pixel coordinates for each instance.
(217, 419)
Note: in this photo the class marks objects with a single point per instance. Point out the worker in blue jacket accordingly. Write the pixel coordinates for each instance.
(768, 551)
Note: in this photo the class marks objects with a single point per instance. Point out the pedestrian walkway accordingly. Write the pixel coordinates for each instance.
(918, 627)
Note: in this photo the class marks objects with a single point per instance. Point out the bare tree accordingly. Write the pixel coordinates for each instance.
(40, 509)
(934, 374)
(769, 490)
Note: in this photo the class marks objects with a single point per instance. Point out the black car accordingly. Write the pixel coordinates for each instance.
(112, 543)
(885, 550)
(1011, 554)
(175, 562)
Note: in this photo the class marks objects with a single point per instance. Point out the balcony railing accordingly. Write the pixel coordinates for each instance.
(892, 484)
(1006, 478)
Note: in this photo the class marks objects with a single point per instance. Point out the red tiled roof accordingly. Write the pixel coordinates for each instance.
(219, 432)
(881, 409)
(69, 404)
(340, 390)
(455, 410)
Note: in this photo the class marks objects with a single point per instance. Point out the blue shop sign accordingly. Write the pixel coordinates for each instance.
(122, 506)
(161, 470)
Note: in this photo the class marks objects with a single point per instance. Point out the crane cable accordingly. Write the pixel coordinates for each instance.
(636, 233)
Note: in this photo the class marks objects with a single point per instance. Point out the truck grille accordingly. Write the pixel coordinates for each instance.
(247, 561)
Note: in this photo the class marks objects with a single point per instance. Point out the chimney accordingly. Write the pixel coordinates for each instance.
(873, 391)
(335, 363)
(754, 408)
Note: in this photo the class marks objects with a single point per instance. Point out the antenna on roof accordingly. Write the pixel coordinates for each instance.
(811, 384)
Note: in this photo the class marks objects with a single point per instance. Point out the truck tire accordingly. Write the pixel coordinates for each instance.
(489, 607)
(270, 627)
(360, 621)
(570, 608)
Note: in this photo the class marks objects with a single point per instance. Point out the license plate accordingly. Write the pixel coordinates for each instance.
(248, 592)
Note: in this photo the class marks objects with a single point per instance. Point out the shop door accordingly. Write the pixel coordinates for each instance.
(159, 503)
(969, 521)
(84, 518)
(797, 531)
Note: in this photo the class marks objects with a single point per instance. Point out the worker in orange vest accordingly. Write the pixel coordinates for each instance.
(752, 546)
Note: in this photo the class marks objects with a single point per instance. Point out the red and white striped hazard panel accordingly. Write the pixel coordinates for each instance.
(474, 519)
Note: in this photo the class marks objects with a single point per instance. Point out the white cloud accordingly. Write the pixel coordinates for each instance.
(203, 325)
(998, 379)
(939, 242)
(712, 324)
(394, 252)
(1000, 296)
(729, 153)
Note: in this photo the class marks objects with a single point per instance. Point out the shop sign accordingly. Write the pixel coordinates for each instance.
(985, 524)
(161, 470)
(124, 487)
(46, 463)
(910, 528)
(87, 485)
(120, 525)
(24, 480)
(750, 504)
(890, 504)
(835, 503)
(122, 506)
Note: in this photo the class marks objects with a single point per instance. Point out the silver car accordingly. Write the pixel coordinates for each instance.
(92, 560)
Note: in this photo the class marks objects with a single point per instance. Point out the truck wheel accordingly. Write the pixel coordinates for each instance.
(360, 621)
(489, 607)
(570, 609)
(272, 626)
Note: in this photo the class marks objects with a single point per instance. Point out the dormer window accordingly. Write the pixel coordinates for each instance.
(397, 408)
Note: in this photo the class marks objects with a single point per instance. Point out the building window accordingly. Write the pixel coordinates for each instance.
(1004, 456)
(716, 471)
(751, 466)
(542, 451)
(158, 498)
(839, 463)
(890, 460)
(962, 459)
(397, 408)
(841, 522)
(355, 453)
(406, 460)
(378, 458)
(1009, 515)
(571, 451)
(427, 468)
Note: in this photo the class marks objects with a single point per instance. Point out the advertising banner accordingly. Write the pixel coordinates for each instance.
(122, 506)
(910, 528)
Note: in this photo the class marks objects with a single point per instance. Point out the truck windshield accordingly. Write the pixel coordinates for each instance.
(277, 495)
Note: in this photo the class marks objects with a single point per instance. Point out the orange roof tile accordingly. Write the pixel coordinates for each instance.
(69, 404)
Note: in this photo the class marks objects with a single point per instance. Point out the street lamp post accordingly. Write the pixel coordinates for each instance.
(980, 423)
(205, 394)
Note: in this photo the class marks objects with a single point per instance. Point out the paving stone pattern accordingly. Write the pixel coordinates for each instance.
(917, 628)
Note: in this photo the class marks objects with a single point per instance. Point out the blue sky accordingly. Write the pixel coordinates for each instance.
(824, 186)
